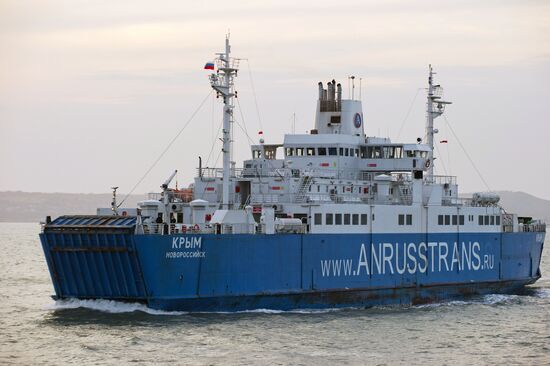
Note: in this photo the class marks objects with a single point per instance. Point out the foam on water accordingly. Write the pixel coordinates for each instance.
(297, 311)
(115, 307)
(498, 299)
(443, 303)
(543, 293)
(108, 306)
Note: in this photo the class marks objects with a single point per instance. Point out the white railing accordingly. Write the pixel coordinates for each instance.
(533, 228)
(218, 172)
(154, 196)
(444, 179)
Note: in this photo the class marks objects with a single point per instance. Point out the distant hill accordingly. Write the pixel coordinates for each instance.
(33, 207)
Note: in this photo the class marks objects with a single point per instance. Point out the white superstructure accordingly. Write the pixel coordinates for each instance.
(334, 179)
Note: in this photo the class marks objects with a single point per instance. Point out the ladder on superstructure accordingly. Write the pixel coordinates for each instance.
(304, 185)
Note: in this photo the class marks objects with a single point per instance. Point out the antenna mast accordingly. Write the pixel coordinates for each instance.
(222, 83)
(436, 107)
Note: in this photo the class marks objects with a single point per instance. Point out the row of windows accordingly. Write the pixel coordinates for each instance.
(401, 219)
(488, 220)
(340, 219)
(321, 151)
(365, 152)
(459, 219)
(450, 219)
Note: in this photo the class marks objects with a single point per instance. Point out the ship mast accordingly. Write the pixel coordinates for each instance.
(436, 107)
(222, 83)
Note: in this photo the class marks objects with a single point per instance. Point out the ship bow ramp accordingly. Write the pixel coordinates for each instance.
(93, 257)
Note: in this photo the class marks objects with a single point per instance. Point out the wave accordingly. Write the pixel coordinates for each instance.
(108, 306)
(116, 307)
(443, 303)
(542, 292)
(295, 311)
(498, 299)
(490, 299)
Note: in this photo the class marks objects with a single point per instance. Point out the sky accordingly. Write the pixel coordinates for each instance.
(92, 92)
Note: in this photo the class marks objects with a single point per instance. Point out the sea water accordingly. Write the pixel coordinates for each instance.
(34, 329)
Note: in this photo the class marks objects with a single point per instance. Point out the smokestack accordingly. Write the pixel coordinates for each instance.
(321, 91)
(330, 91)
(339, 93)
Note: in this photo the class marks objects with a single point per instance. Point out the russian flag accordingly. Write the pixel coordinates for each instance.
(443, 141)
(209, 66)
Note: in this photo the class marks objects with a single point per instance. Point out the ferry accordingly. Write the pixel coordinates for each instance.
(328, 219)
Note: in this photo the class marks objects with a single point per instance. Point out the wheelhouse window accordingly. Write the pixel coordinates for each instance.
(289, 151)
(398, 152)
(332, 151)
(387, 152)
(440, 219)
(256, 154)
(480, 219)
(329, 219)
(447, 219)
(322, 151)
(355, 219)
(497, 220)
(364, 218)
(338, 219)
(299, 151)
(409, 219)
(374, 152)
(461, 219)
(310, 151)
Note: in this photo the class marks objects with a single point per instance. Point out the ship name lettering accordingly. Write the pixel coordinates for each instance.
(186, 242)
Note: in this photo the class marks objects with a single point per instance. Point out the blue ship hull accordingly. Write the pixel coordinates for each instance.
(242, 272)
